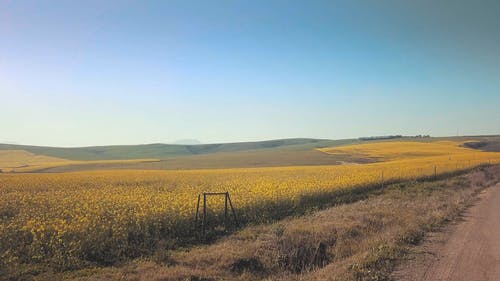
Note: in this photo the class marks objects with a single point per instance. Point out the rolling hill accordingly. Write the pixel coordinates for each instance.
(162, 151)
(282, 152)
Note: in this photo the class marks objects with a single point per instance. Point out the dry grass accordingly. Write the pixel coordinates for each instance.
(240, 159)
(358, 241)
(16, 159)
(24, 161)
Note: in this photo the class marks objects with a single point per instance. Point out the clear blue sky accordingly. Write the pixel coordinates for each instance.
(128, 72)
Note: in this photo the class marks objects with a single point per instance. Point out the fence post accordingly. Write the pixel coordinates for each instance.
(225, 210)
(204, 225)
(232, 209)
(382, 179)
(196, 217)
(435, 172)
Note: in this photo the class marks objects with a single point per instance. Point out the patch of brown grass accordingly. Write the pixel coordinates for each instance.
(240, 159)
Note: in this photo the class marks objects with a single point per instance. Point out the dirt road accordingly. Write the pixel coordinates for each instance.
(468, 250)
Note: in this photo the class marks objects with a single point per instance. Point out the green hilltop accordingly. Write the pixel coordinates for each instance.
(162, 151)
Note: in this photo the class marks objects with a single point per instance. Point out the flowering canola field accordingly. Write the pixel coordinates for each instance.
(72, 220)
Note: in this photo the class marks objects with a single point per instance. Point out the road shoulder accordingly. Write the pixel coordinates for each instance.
(467, 249)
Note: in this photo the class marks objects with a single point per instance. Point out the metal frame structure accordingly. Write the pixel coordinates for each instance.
(227, 199)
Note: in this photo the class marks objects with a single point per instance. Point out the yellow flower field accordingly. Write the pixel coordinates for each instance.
(388, 151)
(71, 220)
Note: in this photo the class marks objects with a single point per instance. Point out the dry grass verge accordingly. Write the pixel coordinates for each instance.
(357, 241)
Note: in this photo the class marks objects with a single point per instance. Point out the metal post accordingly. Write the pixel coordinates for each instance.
(382, 179)
(225, 210)
(196, 218)
(232, 209)
(204, 225)
(435, 172)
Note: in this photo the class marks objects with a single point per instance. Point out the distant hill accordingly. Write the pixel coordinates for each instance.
(281, 152)
(163, 151)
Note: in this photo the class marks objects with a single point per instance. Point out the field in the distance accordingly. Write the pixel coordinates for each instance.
(287, 152)
(65, 221)
(25, 161)
(275, 153)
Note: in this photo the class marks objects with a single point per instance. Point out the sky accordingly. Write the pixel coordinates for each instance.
(81, 73)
